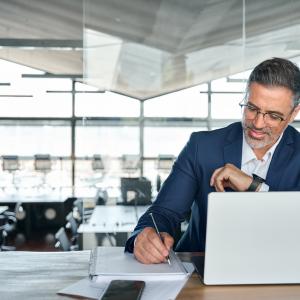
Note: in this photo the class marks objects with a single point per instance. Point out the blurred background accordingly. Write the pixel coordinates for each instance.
(97, 98)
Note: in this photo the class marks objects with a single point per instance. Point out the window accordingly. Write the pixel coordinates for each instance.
(187, 103)
(106, 105)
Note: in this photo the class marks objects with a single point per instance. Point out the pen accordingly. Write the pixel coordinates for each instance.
(157, 231)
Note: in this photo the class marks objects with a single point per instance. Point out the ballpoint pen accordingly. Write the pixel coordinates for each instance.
(157, 231)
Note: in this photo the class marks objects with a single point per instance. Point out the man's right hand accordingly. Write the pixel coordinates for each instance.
(148, 247)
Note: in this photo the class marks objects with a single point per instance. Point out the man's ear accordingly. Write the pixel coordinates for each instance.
(294, 113)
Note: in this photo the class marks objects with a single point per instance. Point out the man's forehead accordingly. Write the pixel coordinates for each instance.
(278, 96)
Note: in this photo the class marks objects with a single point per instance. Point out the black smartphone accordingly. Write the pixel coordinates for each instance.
(124, 289)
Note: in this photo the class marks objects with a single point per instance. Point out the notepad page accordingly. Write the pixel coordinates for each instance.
(113, 261)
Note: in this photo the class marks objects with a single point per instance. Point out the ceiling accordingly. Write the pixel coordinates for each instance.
(145, 48)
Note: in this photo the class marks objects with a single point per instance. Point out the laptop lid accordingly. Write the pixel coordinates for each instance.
(253, 238)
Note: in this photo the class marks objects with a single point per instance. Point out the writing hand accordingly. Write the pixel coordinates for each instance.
(148, 247)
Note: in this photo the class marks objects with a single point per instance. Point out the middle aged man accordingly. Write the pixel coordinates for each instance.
(262, 153)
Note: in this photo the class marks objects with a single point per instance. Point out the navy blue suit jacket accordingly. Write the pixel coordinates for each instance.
(188, 185)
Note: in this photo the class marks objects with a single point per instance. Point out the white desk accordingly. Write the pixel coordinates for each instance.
(113, 219)
(3, 209)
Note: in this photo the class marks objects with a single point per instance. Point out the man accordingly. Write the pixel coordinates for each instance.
(262, 153)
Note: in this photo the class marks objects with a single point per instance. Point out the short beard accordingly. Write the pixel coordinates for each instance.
(258, 144)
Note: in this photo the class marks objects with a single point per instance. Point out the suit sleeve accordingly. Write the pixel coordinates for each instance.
(176, 196)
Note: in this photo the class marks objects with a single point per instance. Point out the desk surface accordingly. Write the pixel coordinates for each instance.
(114, 218)
(39, 275)
(47, 195)
(3, 209)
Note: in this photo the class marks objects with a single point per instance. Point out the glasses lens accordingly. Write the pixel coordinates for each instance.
(269, 118)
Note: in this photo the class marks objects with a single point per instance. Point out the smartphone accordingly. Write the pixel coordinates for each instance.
(124, 289)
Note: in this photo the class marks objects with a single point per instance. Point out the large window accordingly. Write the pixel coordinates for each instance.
(27, 140)
(166, 140)
(106, 105)
(187, 103)
(106, 140)
(36, 118)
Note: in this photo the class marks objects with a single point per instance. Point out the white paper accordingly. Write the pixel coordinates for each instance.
(111, 261)
(154, 289)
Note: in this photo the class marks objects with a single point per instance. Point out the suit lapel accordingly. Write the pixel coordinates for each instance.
(280, 159)
(233, 146)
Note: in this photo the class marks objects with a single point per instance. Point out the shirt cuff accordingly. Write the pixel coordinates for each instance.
(264, 188)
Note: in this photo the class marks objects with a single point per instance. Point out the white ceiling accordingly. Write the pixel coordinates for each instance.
(144, 48)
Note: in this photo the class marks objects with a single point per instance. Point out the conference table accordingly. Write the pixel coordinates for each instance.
(107, 220)
(3, 209)
(112, 219)
(39, 275)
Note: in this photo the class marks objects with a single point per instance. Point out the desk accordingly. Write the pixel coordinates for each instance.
(115, 219)
(39, 275)
(3, 209)
(112, 219)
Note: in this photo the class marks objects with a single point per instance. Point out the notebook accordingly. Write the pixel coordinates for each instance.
(112, 261)
(252, 238)
(163, 281)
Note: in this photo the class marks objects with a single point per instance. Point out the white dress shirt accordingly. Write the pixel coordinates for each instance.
(250, 163)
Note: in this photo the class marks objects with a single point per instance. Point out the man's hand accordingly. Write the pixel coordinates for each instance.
(232, 177)
(148, 247)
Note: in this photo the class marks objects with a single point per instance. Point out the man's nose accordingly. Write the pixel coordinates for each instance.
(259, 120)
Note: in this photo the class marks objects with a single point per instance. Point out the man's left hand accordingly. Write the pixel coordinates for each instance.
(232, 177)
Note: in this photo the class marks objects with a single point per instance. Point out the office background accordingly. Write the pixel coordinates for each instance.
(95, 91)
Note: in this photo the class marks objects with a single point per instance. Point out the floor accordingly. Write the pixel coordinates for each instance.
(38, 241)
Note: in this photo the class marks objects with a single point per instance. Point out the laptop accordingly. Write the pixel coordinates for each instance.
(252, 238)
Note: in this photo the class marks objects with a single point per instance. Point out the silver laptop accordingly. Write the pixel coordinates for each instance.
(253, 238)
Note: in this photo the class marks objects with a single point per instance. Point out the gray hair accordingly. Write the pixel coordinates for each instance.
(277, 72)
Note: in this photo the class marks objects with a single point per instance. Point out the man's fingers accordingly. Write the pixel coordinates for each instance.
(156, 241)
(230, 176)
(147, 257)
(149, 248)
(168, 240)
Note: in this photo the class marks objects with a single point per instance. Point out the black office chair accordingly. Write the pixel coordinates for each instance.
(63, 242)
(81, 213)
(73, 226)
(7, 225)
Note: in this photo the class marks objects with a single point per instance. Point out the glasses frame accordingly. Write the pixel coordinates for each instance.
(258, 111)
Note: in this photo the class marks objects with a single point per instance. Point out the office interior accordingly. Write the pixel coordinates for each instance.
(97, 99)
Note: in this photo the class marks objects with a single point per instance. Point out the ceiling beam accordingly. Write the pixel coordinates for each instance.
(42, 43)
(50, 75)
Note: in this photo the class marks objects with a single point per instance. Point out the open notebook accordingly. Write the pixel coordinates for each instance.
(112, 261)
(163, 281)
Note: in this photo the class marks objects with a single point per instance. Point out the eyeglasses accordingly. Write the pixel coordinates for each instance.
(270, 118)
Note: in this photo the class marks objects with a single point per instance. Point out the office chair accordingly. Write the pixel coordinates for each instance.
(7, 225)
(97, 163)
(73, 226)
(43, 164)
(136, 191)
(63, 242)
(11, 164)
(164, 165)
(82, 214)
(130, 163)
(20, 212)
